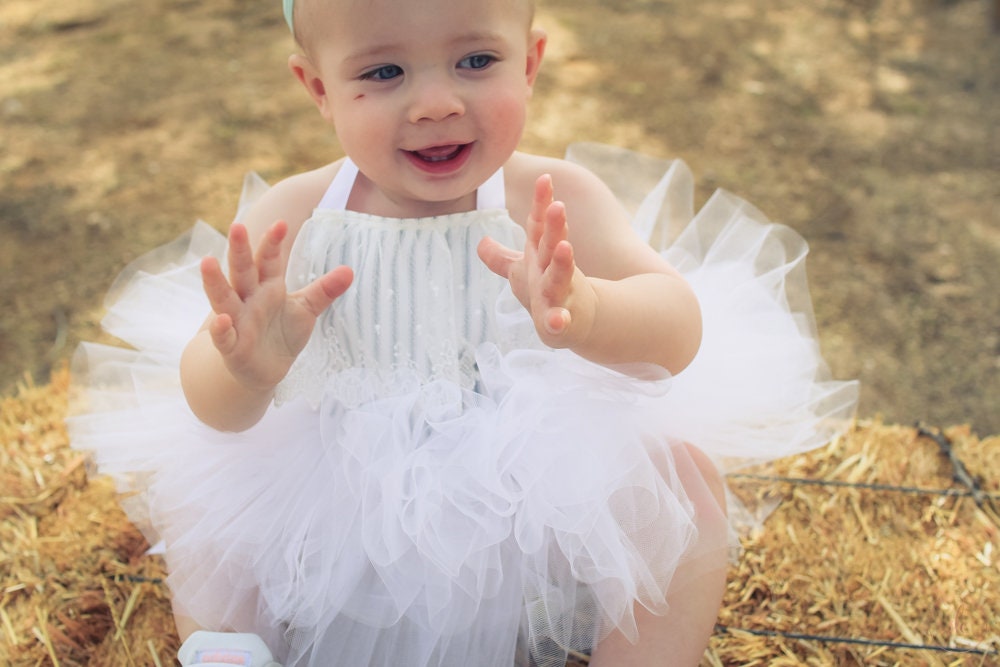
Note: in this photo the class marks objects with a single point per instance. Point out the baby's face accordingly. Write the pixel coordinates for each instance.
(428, 97)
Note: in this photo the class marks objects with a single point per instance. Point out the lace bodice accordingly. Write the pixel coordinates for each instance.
(421, 303)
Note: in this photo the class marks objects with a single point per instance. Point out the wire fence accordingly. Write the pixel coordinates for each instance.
(960, 474)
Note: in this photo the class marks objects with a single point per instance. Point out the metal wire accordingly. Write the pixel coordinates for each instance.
(807, 481)
(855, 640)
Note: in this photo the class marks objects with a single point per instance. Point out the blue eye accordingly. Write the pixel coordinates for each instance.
(477, 61)
(383, 73)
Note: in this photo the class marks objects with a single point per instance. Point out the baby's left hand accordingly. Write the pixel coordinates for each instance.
(544, 277)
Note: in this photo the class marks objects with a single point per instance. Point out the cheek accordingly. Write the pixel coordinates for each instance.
(359, 120)
(506, 111)
(510, 120)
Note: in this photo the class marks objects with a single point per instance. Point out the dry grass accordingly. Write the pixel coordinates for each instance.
(867, 563)
(76, 587)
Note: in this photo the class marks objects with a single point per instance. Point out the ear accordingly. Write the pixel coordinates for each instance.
(537, 40)
(308, 75)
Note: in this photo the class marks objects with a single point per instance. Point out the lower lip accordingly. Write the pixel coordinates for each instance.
(441, 167)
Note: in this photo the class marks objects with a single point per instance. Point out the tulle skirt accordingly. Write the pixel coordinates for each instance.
(440, 525)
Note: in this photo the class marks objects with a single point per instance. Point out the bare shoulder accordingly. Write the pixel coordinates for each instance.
(584, 194)
(604, 242)
(292, 200)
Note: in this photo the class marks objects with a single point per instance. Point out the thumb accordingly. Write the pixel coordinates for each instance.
(319, 294)
(497, 257)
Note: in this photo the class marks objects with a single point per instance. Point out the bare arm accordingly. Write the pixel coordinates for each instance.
(641, 310)
(230, 368)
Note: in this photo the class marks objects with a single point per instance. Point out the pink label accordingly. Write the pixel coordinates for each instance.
(226, 657)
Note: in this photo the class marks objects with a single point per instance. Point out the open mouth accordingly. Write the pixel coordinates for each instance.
(441, 158)
(439, 153)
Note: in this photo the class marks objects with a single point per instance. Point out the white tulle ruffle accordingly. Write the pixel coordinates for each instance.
(443, 525)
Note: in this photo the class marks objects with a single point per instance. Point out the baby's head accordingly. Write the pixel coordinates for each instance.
(303, 16)
(427, 97)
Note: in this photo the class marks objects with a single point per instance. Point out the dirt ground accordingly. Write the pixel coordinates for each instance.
(869, 126)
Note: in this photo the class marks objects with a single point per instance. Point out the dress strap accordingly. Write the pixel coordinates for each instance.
(489, 196)
(340, 188)
(491, 193)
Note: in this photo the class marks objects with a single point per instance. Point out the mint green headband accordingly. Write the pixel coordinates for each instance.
(289, 9)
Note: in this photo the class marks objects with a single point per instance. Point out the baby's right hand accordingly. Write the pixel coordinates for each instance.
(258, 327)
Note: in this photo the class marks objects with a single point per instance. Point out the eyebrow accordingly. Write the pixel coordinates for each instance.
(475, 37)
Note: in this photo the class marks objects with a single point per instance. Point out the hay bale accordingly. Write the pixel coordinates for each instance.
(870, 563)
(77, 587)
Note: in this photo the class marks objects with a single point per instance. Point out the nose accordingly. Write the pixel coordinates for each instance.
(435, 98)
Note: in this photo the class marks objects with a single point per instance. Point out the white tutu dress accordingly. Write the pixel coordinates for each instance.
(433, 486)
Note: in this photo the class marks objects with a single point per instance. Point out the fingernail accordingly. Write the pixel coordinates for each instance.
(563, 322)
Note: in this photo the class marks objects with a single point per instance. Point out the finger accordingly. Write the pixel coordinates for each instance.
(270, 258)
(242, 269)
(540, 203)
(319, 294)
(554, 231)
(221, 295)
(557, 320)
(558, 276)
(497, 257)
(223, 333)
